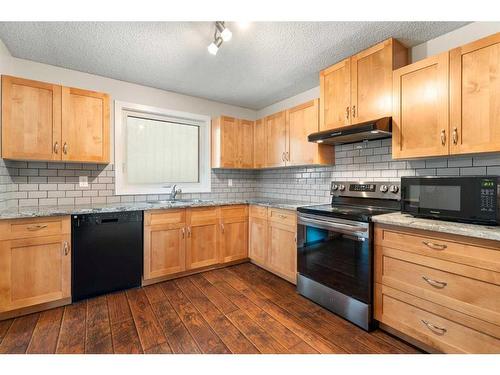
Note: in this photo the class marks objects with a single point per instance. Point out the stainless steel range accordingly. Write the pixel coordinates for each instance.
(335, 248)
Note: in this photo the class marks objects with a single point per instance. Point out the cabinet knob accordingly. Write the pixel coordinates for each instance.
(65, 148)
(353, 111)
(347, 112)
(56, 147)
(455, 136)
(443, 137)
(66, 248)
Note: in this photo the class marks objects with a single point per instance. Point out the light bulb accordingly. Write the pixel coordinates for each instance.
(226, 35)
(214, 46)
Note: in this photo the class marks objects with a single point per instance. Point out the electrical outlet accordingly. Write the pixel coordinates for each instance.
(83, 181)
(230, 182)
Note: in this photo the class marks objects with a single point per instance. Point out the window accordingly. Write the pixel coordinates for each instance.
(156, 148)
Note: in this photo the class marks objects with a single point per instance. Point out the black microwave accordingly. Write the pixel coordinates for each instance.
(467, 199)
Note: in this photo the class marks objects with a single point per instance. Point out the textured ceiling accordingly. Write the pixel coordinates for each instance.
(265, 63)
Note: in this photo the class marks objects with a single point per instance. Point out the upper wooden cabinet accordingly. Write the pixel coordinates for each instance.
(359, 88)
(232, 143)
(301, 121)
(475, 96)
(276, 139)
(42, 121)
(420, 117)
(259, 144)
(449, 104)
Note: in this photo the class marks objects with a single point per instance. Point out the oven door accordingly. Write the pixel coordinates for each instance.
(336, 253)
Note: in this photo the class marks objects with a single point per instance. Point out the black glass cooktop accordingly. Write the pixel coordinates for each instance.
(348, 212)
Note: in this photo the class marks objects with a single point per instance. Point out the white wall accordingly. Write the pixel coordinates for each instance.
(445, 42)
(118, 90)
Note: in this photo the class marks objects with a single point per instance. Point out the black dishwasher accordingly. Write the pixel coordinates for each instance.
(107, 252)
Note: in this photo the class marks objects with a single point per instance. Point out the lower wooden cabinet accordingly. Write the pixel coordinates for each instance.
(273, 244)
(438, 289)
(234, 233)
(202, 237)
(34, 269)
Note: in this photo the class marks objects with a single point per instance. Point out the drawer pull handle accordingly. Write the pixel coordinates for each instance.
(37, 227)
(222, 227)
(434, 328)
(183, 231)
(66, 248)
(434, 246)
(435, 283)
(282, 216)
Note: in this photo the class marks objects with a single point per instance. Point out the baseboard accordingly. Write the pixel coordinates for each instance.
(35, 308)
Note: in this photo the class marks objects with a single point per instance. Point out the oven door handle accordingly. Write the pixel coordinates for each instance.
(332, 225)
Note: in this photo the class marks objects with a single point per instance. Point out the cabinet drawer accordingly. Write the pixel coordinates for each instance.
(202, 215)
(465, 250)
(442, 329)
(286, 217)
(234, 211)
(163, 217)
(258, 212)
(445, 283)
(34, 227)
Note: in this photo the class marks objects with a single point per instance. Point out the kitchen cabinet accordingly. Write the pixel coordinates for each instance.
(35, 264)
(43, 121)
(359, 88)
(301, 121)
(259, 144)
(438, 289)
(85, 126)
(276, 139)
(420, 119)
(475, 96)
(164, 243)
(234, 233)
(232, 143)
(202, 244)
(273, 244)
(449, 104)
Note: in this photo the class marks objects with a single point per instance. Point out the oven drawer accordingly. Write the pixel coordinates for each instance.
(466, 289)
(465, 250)
(435, 326)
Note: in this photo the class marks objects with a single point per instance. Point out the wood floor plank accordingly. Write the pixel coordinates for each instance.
(72, 335)
(291, 322)
(154, 293)
(222, 326)
(394, 341)
(4, 327)
(160, 349)
(213, 294)
(148, 328)
(303, 348)
(18, 336)
(98, 334)
(282, 334)
(206, 339)
(46, 333)
(260, 338)
(123, 332)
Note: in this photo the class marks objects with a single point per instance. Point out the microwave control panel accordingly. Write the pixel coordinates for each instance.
(488, 195)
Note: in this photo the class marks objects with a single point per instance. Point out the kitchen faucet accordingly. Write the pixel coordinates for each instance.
(174, 192)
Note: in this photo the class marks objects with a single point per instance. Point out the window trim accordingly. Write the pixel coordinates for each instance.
(121, 186)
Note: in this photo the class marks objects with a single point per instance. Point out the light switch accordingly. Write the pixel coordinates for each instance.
(229, 182)
(83, 181)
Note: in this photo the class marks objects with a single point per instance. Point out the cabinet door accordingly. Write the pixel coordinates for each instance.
(420, 119)
(31, 119)
(257, 250)
(259, 144)
(245, 146)
(228, 142)
(302, 121)
(85, 126)
(475, 96)
(202, 246)
(164, 250)
(283, 250)
(335, 95)
(276, 139)
(34, 271)
(234, 239)
(371, 80)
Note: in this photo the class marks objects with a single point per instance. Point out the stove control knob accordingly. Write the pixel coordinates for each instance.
(394, 189)
(335, 187)
(341, 187)
(384, 188)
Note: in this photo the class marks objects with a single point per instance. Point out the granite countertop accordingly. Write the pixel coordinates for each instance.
(469, 230)
(40, 211)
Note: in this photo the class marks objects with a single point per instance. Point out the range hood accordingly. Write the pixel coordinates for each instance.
(377, 129)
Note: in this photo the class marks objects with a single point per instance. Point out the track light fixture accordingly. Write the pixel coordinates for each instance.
(221, 34)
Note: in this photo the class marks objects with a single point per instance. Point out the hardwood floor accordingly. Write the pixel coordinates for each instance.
(239, 309)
